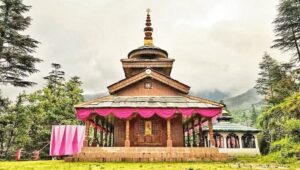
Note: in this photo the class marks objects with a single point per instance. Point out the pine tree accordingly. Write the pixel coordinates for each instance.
(287, 26)
(16, 60)
(269, 75)
(56, 76)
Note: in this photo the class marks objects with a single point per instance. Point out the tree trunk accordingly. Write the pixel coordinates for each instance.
(296, 43)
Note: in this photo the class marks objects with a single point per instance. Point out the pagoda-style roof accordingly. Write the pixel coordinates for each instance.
(148, 50)
(162, 64)
(149, 73)
(184, 101)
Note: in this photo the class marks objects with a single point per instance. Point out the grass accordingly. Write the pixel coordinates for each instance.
(61, 165)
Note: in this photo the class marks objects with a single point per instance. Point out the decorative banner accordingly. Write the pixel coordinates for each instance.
(147, 112)
(148, 127)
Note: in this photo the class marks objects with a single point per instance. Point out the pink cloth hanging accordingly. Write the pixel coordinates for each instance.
(147, 112)
(66, 139)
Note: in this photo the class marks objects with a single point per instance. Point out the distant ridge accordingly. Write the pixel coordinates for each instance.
(244, 100)
(93, 96)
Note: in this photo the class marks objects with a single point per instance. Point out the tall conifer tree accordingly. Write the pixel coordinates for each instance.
(16, 60)
(287, 27)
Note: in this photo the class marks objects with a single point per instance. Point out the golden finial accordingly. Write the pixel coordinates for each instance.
(148, 41)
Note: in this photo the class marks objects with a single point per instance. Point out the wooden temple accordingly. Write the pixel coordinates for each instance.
(148, 116)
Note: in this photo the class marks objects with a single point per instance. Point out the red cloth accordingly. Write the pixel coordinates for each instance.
(18, 154)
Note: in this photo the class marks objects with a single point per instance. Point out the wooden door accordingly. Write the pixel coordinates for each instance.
(148, 132)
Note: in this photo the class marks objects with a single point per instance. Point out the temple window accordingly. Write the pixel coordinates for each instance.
(248, 141)
(219, 140)
(232, 141)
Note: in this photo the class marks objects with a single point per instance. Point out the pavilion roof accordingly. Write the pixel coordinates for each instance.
(184, 101)
(225, 126)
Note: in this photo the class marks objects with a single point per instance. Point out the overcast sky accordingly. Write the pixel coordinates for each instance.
(216, 44)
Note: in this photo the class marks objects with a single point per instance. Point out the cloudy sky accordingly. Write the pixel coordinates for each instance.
(216, 44)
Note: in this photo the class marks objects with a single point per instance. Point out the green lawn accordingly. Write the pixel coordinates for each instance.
(61, 165)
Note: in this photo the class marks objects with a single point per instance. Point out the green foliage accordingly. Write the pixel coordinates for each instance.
(56, 76)
(287, 26)
(281, 121)
(15, 125)
(27, 122)
(16, 61)
(277, 81)
(269, 75)
(53, 106)
(247, 116)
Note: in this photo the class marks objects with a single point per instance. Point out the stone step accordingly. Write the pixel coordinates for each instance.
(148, 150)
(147, 154)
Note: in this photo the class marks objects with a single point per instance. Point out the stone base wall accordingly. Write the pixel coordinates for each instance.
(147, 154)
(240, 151)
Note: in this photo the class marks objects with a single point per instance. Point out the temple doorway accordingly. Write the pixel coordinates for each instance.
(148, 132)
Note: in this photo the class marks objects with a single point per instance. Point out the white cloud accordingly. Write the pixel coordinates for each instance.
(217, 44)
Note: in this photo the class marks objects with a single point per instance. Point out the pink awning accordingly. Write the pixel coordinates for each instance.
(123, 113)
(66, 139)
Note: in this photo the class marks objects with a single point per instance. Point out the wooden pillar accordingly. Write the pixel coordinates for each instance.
(211, 133)
(200, 135)
(94, 144)
(127, 140)
(95, 140)
(101, 134)
(87, 134)
(188, 135)
(112, 136)
(106, 134)
(193, 133)
(169, 137)
(184, 136)
(109, 136)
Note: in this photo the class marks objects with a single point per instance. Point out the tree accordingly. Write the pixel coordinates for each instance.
(15, 125)
(56, 76)
(281, 120)
(4, 107)
(16, 60)
(269, 75)
(287, 26)
(53, 105)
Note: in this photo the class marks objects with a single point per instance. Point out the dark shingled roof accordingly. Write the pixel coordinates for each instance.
(147, 49)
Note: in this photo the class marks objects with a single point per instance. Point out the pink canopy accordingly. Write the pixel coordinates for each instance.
(66, 139)
(123, 113)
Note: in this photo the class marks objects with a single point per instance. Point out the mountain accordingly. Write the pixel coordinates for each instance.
(93, 96)
(244, 100)
(215, 95)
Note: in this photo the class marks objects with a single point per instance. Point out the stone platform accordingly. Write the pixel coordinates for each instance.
(147, 154)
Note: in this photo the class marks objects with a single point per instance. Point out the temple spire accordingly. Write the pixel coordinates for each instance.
(148, 41)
